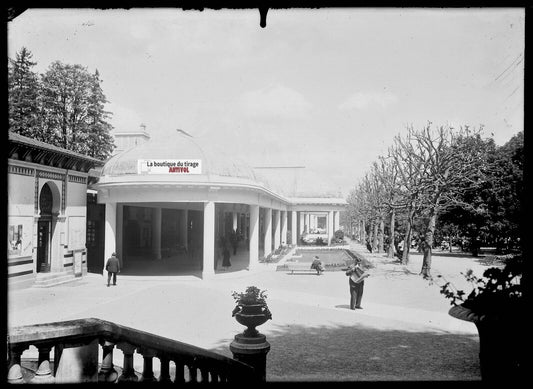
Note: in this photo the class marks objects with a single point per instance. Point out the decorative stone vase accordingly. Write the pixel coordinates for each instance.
(251, 316)
(501, 342)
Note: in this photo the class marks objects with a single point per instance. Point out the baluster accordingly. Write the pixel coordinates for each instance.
(128, 371)
(193, 373)
(180, 376)
(164, 375)
(148, 371)
(204, 374)
(107, 371)
(14, 374)
(44, 373)
(222, 377)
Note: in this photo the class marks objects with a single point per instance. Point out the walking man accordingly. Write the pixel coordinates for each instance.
(113, 267)
(357, 283)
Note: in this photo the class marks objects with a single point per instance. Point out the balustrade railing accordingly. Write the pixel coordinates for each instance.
(76, 343)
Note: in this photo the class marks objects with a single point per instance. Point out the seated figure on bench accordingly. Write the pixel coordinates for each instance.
(317, 265)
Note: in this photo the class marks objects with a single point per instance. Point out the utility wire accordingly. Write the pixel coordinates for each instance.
(508, 67)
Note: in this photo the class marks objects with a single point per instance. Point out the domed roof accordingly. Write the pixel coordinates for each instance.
(178, 145)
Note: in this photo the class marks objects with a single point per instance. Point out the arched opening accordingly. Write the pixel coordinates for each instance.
(48, 211)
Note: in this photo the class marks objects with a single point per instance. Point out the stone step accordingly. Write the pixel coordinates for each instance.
(45, 280)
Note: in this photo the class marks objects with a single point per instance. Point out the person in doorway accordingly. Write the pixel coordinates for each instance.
(317, 265)
(225, 258)
(234, 239)
(113, 268)
(357, 277)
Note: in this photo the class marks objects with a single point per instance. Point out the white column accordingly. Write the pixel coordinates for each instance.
(183, 227)
(110, 228)
(294, 233)
(277, 230)
(302, 222)
(235, 224)
(284, 228)
(156, 232)
(307, 217)
(268, 231)
(254, 237)
(330, 226)
(337, 220)
(208, 269)
(120, 235)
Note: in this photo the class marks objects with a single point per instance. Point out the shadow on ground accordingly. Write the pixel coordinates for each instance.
(318, 353)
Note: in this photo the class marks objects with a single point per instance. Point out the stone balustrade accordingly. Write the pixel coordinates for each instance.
(77, 344)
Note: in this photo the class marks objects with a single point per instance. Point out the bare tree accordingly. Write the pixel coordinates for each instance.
(444, 161)
(411, 171)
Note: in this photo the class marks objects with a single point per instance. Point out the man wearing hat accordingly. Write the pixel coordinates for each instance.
(317, 265)
(357, 283)
(113, 267)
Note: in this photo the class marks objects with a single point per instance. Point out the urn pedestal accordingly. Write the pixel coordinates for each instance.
(501, 343)
(251, 347)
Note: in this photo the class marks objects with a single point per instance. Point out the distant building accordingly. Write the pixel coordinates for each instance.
(127, 140)
(170, 202)
(46, 219)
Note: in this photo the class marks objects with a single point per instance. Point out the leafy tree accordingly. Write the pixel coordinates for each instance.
(63, 107)
(65, 93)
(99, 141)
(23, 98)
(507, 188)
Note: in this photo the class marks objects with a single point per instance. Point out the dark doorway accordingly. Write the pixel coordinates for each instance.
(95, 235)
(46, 203)
(43, 246)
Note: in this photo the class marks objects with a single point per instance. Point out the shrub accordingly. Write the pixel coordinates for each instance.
(499, 290)
(320, 242)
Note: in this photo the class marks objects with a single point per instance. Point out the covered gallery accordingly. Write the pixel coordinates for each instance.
(171, 203)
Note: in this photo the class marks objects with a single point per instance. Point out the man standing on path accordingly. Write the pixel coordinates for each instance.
(113, 267)
(357, 283)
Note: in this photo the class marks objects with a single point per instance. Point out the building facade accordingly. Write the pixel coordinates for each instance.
(46, 213)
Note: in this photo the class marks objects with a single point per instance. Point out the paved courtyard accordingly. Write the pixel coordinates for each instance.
(403, 332)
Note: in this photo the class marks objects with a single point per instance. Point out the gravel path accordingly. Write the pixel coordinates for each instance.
(403, 332)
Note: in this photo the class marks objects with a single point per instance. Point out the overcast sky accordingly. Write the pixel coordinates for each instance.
(327, 89)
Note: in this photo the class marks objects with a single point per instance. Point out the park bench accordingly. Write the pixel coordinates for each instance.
(299, 267)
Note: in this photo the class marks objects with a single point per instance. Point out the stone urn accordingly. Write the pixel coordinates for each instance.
(501, 342)
(251, 315)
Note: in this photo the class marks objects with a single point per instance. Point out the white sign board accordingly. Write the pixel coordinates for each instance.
(169, 166)
(76, 232)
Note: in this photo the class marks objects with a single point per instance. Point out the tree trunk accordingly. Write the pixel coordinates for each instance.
(370, 234)
(363, 232)
(406, 247)
(375, 237)
(391, 233)
(407, 239)
(427, 245)
(381, 236)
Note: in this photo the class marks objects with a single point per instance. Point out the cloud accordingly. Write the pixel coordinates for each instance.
(363, 100)
(274, 101)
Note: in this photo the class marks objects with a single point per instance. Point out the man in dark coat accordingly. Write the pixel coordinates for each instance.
(113, 267)
(317, 265)
(357, 283)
